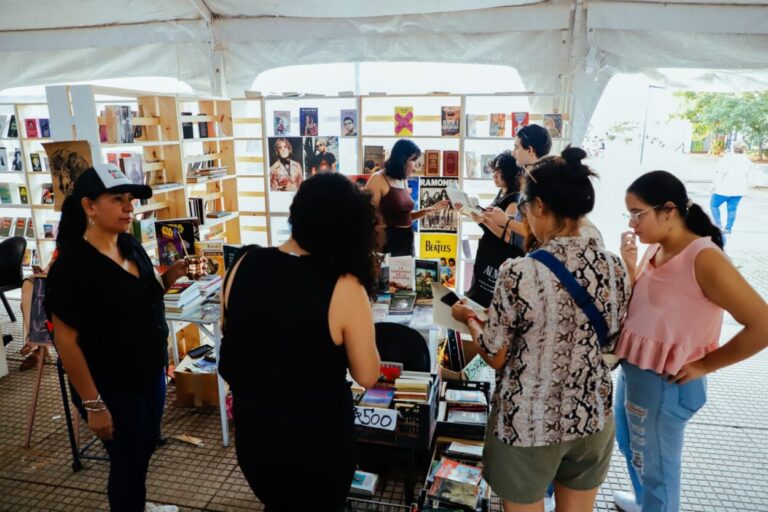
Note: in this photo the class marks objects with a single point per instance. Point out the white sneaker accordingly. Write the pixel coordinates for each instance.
(151, 507)
(549, 503)
(626, 501)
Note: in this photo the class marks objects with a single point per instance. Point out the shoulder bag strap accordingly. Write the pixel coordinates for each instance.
(581, 296)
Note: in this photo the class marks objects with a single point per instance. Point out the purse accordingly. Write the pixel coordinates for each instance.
(583, 299)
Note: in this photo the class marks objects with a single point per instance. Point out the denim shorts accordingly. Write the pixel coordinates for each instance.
(521, 474)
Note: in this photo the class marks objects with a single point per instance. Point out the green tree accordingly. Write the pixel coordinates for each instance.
(714, 114)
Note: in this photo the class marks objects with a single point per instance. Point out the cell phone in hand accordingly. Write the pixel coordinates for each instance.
(37, 269)
(450, 299)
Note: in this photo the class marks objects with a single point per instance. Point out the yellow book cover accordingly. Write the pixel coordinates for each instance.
(403, 120)
(443, 247)
(213, 250)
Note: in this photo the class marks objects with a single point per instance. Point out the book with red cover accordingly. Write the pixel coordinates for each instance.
(450, 163)
(519, 119)
(30, 125)
(431, 162)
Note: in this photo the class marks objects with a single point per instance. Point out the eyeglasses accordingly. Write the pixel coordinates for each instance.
(635, 216)
(529, 174)
(523, 203)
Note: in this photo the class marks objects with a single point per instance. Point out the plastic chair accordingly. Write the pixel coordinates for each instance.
(399, 343)
(11, 275)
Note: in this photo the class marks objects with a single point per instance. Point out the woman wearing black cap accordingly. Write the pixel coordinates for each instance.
(106, 304)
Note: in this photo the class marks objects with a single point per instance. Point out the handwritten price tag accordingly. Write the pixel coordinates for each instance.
(375, 417)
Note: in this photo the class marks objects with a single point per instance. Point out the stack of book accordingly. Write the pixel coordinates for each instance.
(364, 483)
(466, 406)
(203, 174)
(457, 484)
(412, 387)
(182, 296)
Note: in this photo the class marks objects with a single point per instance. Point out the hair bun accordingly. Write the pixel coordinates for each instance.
(573, 156)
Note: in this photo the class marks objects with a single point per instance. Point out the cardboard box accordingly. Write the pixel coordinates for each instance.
(195, 389)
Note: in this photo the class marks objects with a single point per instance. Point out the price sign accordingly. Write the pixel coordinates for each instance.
(375, 417)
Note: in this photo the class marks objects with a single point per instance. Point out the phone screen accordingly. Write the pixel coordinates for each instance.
(450, 298)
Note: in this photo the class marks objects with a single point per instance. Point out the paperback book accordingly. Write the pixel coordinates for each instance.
(554, 125)
(348, 120)
(427, 272)
(281, 122)
(519, 119)
(402, 303)
(497, 125)
(308, 122)
(364, 483)
(403, 121)
(450, 121)
(176, 239)
(401, 277)
(432, 162)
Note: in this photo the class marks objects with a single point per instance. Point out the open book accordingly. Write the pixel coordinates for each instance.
(468, 204)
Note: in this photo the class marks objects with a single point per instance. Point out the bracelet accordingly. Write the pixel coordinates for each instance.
(97, 402)
(503, 233)
(95, 409)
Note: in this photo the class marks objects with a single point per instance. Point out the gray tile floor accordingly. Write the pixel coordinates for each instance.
(725, 461)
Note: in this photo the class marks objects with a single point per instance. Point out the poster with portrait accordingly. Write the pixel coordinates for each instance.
(432, 191)
(444, 248)
(286, 159)
(321, 154)
(68, 160)
(281, 122)
(554, 125)
(308, 121)
(348, 119)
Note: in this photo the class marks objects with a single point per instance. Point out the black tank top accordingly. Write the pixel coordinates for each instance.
(276, 351)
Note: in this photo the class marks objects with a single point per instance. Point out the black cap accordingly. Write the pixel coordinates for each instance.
(108, 178)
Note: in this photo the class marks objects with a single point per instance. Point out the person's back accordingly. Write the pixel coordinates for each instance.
(732, 175)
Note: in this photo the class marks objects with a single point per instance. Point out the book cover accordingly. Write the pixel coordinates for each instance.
(6, 225)
(308, 121)
(403, 121)
(498, 125)
(30, 126)
(426, 273)
(286, 160)
(187, 129)
(45, 127)
(458, 472)
(465, 396)
(29, 230)
(213, 251)
(373, 159)
(471, 164)
(433, 190)
(377, 397)
(230, 251)
(486, 165)
(450, 119)
(50, 229)
(202, 129)
(5, 193)
(21, 224)
(364, 483)
(444, 248)
(29, 257)
(455, 351)
(175, 239)
(68, 160)
(456, 493)
(402, 303)
(144, 229)
(3, 125)
(450, 162)
(465, 450)
(17, 164)
(3, 159)
(554, 125)
(119, 129)
(281, 122)
(432, 162)
(401, 276)
(13, 128)
(348, 119)
(138, 130)
(46, 193)
(23, 194)
(472, 121)
(132, 164)
(519, 119)
(37, 165)
(468, 417)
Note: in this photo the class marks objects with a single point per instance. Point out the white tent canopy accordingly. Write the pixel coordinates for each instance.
(220, 46)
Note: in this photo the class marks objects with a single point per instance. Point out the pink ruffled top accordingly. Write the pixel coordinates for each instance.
(670, 322)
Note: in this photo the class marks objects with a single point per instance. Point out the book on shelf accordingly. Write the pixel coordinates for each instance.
(202, 129)
(3, 126)
(472, 120)
(426, 272)
(432, 162)
(467, 417)
(50, 228)
(3, 159)
(348, 120)
(213, 251)
(69, 160)
(450, 121)
(175, 239)
(30, 126)
(20, 225)
(118, 124)
(13, 128)
(497, 127)
(381, 307)
(463, 450)
(458, 472)
(486, 164)
(390, 371)
(403, 121)
(519, 119)
(377, 397)
(281, 122)
(29, 230)
(138, 130)
(5, 193)
(6, 225)
(454, 351)
(19, 193)
(144, 229)
(45, 127)
(308, 121)
(373, 159)
(46, 193)
(197, 208)
(29, 258)
(364, 483)
(455, 493)
(402, 303)
(187, 128)
(401, 274)
(450, 162)
(554, 125)
(37, 165)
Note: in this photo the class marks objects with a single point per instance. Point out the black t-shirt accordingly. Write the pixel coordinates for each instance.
(119, 318)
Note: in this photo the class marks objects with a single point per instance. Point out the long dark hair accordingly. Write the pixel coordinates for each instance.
(506, 163)
(335, 222)
(403, 149)
(563, 183)
(660, 187)
(72, 223)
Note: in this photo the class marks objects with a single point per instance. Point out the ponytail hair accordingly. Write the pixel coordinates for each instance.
(661, 187)
(563, 183)
(72, 224)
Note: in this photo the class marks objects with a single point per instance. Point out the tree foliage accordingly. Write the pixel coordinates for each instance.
(715, 114)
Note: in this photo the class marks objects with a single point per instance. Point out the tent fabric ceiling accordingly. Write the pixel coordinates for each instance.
(220, 46)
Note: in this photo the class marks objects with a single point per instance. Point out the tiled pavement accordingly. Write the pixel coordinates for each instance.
(725, 461)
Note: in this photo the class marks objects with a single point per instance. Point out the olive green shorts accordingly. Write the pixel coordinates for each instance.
(522, 474)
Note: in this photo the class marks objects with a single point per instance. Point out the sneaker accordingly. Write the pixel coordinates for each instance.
(151, 507)
(626, 501)
(549, 504)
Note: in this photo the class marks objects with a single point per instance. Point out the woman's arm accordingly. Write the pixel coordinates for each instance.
(174, 273)
(726, 287)
(376, 185)
(351, 323)
(79, 374)
(466, 315)
(496, 220)
(418, 214)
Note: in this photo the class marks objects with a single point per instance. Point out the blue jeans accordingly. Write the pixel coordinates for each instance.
(136, 418)
(732, 203)
(651, 415)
